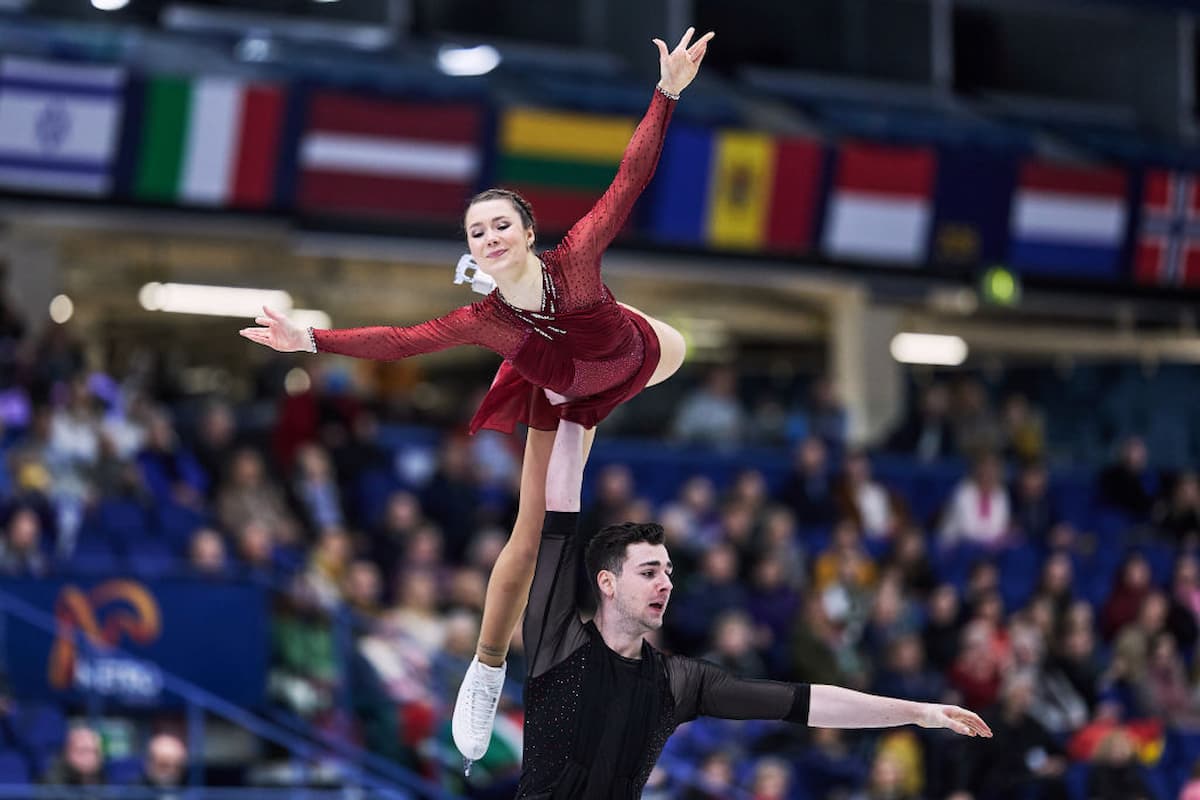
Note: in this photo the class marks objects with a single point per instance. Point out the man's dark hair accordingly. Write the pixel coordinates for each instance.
(606, 550)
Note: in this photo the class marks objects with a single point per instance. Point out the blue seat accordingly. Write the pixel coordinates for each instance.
(14, 768)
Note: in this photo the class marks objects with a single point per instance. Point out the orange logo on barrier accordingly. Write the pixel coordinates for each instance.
(96, 615)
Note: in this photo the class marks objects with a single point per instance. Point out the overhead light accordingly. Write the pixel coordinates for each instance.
(61, 308)
(466, 61)
(255, 48)
(217, 301)
(109, 5)
(297, 381)
(929, 348)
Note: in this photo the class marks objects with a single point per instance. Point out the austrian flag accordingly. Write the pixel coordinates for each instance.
(1168, 248)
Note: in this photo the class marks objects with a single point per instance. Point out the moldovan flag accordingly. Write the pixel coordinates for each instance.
(59, 126)
(560, 161)
(388, 159)
(1168, 248)
(881, 205)
(209, 141)
(763, 191)
(737, 189)
(1068, 221)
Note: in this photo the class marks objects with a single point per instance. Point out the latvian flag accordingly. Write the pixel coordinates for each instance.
(1168, 248)
(881, 205)
(388, 160)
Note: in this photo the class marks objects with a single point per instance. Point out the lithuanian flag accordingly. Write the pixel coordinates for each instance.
(560, 161)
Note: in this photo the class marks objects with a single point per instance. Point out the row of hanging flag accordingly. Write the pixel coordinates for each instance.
(82, 130)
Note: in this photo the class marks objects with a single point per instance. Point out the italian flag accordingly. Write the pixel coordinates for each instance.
(209, 141)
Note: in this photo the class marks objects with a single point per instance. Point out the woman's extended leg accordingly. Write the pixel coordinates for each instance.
(507, 596)
(508, 586)
(671, 345)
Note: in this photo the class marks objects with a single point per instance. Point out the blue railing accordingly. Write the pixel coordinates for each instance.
(363, 770)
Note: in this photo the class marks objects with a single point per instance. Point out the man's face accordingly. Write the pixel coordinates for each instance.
(643, 587)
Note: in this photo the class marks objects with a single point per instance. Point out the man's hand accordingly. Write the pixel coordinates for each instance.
(957, 719)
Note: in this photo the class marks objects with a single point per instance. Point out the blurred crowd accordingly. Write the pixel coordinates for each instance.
(1072, 626)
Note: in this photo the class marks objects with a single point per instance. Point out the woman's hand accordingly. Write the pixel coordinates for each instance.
(680, 65)
(278, 333)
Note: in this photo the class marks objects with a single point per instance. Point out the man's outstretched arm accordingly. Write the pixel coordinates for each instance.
(705, 689)
(835, 707)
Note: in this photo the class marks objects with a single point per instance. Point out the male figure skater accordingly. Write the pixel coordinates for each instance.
(600, 702)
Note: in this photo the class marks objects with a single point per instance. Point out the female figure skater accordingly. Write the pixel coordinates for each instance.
(559, 329)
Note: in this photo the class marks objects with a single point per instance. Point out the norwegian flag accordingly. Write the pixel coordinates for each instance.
(1168, 249)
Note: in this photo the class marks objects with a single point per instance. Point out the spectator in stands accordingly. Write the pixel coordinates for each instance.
(1034, 515)
(256, 550)
(712, 414)
(927, 433)
(820, 651)
(910, 559)
(402, 517)
(693, 510)
(415, 614)
(1132, 646)
(165, 765)
(1166, 691)
(206, 554)
(1115, 774)
(362, 589)
(892, 615)
(1129, 484)
(1024, 437)
(733, 645)
(170, 472)
(1074, 659)
(21, 547)
(773, 603)
(315, 488)
(943, 624)
(328, 565)
(771, 780)
(1191, 790)
(1183, 619)
(614, 494)
(248, 494)
(886, 781)
(978, 511)
(977, 429)
(215, 442)
(1057, 585)
(357, 454)
(780, 541)
(749, 490)
(905, 674)
(808, 488)
(978, 671)
(878, 512)
(1130, 587)
(714, 590)
(452, 498)
(845, 560)
(714, 780)
(1025, 756)
(81, 762)
(1179, 516)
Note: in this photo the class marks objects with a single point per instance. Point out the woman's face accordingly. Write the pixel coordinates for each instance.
(498, 240)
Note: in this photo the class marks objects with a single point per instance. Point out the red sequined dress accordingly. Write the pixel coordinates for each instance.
(582, 344)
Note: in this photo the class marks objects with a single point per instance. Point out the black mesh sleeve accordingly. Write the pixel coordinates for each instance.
(704, 689)
(552, 628)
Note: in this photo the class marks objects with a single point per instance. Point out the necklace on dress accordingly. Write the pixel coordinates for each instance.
(547, 309)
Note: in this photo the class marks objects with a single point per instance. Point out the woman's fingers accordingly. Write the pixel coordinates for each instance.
(701, 42)
(687, 37)
(275, 315)
(662, 48)
(266, 322)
